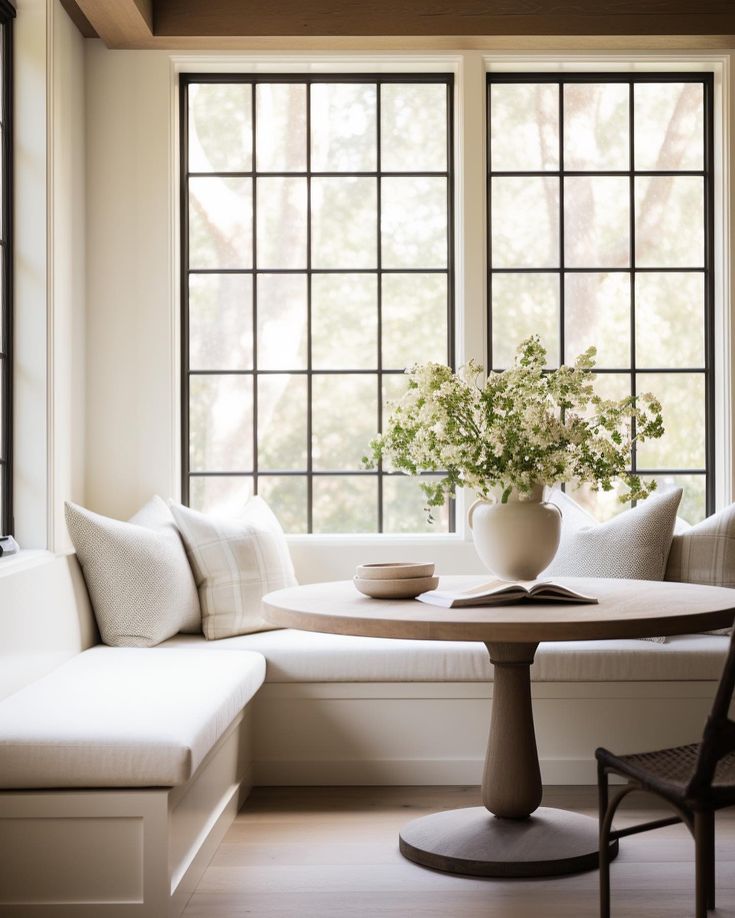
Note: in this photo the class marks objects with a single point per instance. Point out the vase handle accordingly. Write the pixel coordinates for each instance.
(471, 511)
(550, 503)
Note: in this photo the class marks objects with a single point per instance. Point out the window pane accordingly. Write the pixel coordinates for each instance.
(344, 216)
(603, 505)
(282, 415)
(669, 213)
(346, 503)
(287, 497)
(523, 305)
(404, 506)
(220, 223)
(614, 386)
(414, 319)
(682, 399)
(524, 127)
(413, 127)
(344, 321)
(596, 126)
(394, 386)
(280, 127)
(220, 127)
(597, 314)
(221, 423)
(414, 222)
(611, 386)
(669, 317)
(220, 321)
(693, 500)
(597, 222)
(224, 495)
(281, 222)
(669, 126)
(525, 222)
(282, 331)
(344, 419)
(343, 127)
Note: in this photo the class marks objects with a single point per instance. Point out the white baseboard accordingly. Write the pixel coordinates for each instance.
(436, 733)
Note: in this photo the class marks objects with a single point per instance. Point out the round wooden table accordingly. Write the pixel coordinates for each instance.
(509, 836)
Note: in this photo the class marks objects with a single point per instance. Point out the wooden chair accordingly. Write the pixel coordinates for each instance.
(695, 781)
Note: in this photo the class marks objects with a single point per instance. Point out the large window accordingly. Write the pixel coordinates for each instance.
(317, 243)
(7, 13)
(600, 209)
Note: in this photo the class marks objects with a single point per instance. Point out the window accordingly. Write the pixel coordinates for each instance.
(6, 267)
(317, 250)
(600, 207)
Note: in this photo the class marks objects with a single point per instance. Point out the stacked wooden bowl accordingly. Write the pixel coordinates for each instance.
(395, 579)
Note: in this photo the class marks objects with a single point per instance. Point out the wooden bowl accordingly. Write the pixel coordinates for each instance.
(394, 570)
(401, 588)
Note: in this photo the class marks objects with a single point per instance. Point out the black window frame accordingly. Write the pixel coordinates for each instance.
(706, 79)
(309, 79)
(7, 15)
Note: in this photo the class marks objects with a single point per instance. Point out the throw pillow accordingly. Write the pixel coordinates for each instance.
(635, 544)
(705, 553)
(137, 574)
(235, 563)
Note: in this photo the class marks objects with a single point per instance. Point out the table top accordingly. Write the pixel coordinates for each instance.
(626, 609)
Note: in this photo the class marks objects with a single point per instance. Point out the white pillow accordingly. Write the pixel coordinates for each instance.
(235, 561)
(137, 575)
(635, 544)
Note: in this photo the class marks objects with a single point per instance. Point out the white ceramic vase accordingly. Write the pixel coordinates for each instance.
(518, 539)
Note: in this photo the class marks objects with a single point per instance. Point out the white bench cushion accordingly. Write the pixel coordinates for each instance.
(302, 656)
(123, 717)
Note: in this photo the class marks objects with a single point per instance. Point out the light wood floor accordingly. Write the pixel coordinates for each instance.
(333, 853)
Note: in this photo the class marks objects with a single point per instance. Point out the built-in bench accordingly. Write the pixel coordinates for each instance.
(123, 767)
(379, 711)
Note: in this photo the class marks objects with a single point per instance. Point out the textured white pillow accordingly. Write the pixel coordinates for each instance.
(635, 544)
(137, 575)
(235, 562)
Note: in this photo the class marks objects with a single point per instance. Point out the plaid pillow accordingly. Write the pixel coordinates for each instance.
(705, 553)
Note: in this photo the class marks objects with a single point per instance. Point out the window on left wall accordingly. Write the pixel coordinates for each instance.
(7, 14)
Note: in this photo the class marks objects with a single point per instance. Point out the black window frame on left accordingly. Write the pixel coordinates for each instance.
(381, 373)
(7, 15)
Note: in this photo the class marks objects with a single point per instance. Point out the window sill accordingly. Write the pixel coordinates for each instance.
(375, 538)
(24, 559)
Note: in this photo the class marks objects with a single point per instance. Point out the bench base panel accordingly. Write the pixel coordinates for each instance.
(436, 733)
(114, 853)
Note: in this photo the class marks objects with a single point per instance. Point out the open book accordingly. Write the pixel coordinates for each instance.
(499, 592)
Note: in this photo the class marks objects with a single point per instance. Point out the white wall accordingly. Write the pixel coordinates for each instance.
(130, 355)
(68, 282)
(49, 271)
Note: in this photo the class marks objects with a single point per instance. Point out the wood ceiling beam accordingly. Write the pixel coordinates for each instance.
(79, 19)
(120, 23)
(442, 17)
(408, 24)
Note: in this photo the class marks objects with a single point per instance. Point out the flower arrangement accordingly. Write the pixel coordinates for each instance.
(517, 429)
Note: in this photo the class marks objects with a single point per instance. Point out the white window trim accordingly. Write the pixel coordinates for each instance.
(325, 555)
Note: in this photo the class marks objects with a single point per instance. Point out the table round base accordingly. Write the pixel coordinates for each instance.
(473, 842)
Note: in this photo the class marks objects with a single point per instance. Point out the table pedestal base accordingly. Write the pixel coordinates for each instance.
(473, 842)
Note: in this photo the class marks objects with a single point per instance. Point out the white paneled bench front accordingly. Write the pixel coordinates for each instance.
(120, 771)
